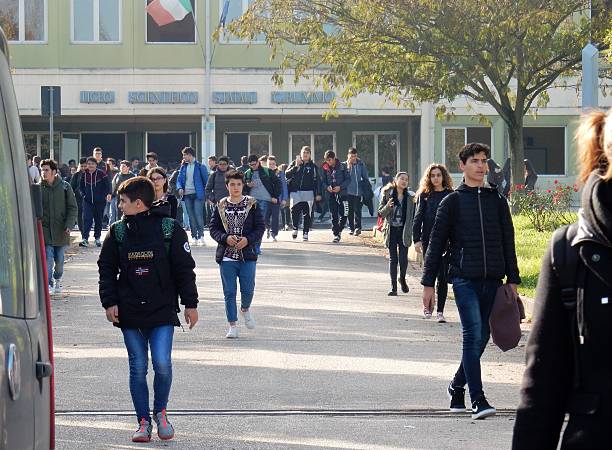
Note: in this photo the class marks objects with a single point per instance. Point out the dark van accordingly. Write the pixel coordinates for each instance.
(26, 357)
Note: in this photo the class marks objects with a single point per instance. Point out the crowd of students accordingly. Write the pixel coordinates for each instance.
(465, 234)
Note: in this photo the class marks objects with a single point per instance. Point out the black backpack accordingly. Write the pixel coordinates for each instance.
(570, 272)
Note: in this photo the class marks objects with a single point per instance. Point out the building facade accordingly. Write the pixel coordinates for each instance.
(130, 87)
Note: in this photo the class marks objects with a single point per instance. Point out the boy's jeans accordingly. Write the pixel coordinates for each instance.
(137, 342)
(230, 272)
(195, 211)
(474, 299)
(264, 206)
(55, 257)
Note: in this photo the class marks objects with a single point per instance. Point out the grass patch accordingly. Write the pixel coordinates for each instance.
(530, 248)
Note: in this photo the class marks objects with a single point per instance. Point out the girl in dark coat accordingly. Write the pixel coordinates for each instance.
(435, 185)
(554, 384)
(158, 176)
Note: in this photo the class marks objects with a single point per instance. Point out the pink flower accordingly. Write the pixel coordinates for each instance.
(556, 181)
(548, 190)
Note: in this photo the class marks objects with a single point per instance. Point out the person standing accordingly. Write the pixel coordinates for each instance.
(265, 187)
(285, 210)
(59, 217)
(97, 154)
(95, 189)
(244, 164)
(303, 178)
(273, 214)
(123, 175)
(435, 185)
(358, 174)
(568, 351)
(476, 223)
(336, 180)
(110, 211)
(33, 171)
(397, 211)
(191, 184)
(75, 183)
(144, 266)
(237, 226)
(216, 189)
(160, 182)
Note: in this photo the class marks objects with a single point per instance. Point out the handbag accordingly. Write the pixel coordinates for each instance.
(505, 321)
(379, 223)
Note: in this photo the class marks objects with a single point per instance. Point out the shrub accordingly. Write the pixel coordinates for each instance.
(547, 209)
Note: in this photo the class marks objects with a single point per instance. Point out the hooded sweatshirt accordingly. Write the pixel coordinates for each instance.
(94, 187)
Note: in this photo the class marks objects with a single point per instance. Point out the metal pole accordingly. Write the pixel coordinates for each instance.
(207, 88)
(51, 150)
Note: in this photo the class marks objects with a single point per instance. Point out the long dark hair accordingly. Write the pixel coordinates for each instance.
(160, 171)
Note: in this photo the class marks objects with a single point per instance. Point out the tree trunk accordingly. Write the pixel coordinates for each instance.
(517, 153)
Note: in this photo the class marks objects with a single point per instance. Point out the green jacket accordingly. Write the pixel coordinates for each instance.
(59, 211)
(385, 213)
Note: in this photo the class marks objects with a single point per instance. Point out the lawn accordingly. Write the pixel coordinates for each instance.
(530, 248)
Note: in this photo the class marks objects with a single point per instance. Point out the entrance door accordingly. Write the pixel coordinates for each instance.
(168, 147)
(379, 152)
(237, 145)
(319, 143)
(113, 144)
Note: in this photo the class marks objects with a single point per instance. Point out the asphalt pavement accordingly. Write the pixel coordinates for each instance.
(334, 363)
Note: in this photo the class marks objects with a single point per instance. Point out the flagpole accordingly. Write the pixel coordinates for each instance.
(207, 146)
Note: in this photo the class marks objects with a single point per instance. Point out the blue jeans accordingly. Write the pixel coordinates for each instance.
(185, 215)
(264, 206)
(272, 217)
(195, 211)
(137, 342)
(114, 211)
(474, 299)
(230, 272)
(55, 257)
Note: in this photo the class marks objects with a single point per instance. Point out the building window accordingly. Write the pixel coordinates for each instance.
(378, 151)
(236, 9)
(238, 144)
(96, 21)
(545, 148)
(319, 143)
(455, 138)
(174, 29)
(24, 20)
(38, 144)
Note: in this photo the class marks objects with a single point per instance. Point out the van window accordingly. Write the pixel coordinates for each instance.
(11, 279)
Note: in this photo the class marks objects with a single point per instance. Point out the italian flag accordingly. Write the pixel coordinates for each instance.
(164, 12)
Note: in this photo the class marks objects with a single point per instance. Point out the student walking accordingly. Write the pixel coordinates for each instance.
(568, 351)
(273, 214)
(286, 223)
(191, 185)
(123, 175)
(358, 174)
(75, 183)
(476, 220)
(237, 226)
(59, 216)
(336, 180)
(435, 185)
(397, 210)
(95, 188)
(263, 185)
(160, 181)
(304, 184)
(151, 256)
(216, 188)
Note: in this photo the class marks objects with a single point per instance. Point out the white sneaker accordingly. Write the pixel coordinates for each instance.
(274, 239)
(441, 318)
(232, 333)
(426, 314)
(51, 290)
(200, 242)
(294, 234)
(58, 286)
(249, 322)
(305, 237)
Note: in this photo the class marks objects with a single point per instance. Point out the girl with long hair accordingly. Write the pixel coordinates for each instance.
(435, 185)
(397, 211)
(568, 351)
(160, 181)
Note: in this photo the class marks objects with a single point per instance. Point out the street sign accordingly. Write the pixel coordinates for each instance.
(45, 100)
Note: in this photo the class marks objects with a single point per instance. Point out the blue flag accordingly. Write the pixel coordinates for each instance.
(224, 14)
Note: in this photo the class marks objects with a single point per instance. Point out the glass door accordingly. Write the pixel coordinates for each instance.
(379, 151)
(318, 142)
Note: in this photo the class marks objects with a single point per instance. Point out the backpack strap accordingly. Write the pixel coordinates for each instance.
(566, 265)
(118, 231)
(167, 231)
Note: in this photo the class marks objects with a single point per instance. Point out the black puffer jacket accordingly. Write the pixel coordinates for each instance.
(548, 390)
(304, 177)
(478, 224)
(425, 215)
(151, 276)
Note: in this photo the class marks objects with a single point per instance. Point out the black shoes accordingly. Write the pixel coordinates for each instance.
(357, 231)
(337, 238)
(404, 285)
(481, 409)
(392, 293)
(456, 396)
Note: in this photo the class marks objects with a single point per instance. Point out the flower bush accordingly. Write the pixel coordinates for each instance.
(546, 209)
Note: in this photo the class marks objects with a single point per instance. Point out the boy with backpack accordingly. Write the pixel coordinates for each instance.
(145, 265)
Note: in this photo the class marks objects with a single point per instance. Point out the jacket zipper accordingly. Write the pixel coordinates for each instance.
(484, 246)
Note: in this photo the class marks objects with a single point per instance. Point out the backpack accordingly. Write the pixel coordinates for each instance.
(570, 272)
(119, 230)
